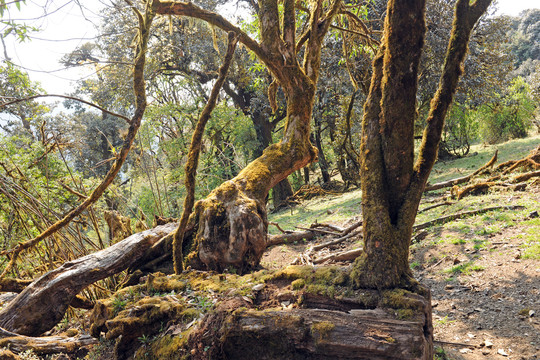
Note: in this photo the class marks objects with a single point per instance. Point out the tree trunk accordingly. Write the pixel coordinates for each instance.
(323, 164)
(263, 129)
(230, 224)
(392, 184)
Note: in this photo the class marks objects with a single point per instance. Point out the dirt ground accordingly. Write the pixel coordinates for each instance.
(490, 313)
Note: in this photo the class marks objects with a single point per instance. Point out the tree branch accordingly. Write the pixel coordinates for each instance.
(128, 120)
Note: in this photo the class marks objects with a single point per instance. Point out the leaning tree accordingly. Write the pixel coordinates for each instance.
(228, 228)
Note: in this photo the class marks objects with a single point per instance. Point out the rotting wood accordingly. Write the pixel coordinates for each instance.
(317, 333)
(42, 304)
(44, 345)
(448, 218)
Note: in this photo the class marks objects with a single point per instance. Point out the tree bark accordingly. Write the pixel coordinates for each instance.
(42, 304)
(391, 184)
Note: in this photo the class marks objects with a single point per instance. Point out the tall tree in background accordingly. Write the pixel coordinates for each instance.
(392, 181)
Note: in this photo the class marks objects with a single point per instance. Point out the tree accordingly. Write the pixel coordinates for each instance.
(229, 227)
(392, 181)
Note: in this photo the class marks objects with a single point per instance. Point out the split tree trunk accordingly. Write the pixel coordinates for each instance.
(392, 184)
(230, 224)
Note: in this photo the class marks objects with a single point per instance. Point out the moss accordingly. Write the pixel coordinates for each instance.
(168, 347)
(298, 284)
(405, 303)
(322, 329)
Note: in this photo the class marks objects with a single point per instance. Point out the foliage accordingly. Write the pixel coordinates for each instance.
(508, 117)
(460, 129)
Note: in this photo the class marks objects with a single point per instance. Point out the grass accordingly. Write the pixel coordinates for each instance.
(513, 149)
(531, 239)
(464, 268)
(339, 208)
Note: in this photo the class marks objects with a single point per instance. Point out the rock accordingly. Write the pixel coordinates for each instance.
(533, 215)
(531, 313)
(502, 352)
(488, 344)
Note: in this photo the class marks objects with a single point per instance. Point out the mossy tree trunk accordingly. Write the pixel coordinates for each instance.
(392, 181)
(229, 227)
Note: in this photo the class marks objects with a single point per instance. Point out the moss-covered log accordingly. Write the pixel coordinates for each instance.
(296, 313)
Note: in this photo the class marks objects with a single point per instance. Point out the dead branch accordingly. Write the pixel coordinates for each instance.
(342, 256)
(352, 227)
(42, 304)
(446, 219)
(463, 179)
(319, 230)
(279, 227)
(44, 345)
(478, 187)
(526, 176)
(289, 237)
(336, 241)
(435, 206)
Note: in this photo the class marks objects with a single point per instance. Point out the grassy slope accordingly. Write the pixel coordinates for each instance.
(339, 208)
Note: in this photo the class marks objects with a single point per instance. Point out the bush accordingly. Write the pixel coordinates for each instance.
(510, 117)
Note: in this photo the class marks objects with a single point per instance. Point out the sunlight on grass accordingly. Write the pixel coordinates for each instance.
(510, 150)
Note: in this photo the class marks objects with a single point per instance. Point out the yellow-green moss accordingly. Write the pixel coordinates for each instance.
(405, 303)
(168, 347)
(322, 329)
(298, 284)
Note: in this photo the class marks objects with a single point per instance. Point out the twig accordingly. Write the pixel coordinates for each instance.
(278, 227)
(319, 230)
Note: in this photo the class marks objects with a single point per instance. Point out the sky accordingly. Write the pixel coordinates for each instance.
(67, 26)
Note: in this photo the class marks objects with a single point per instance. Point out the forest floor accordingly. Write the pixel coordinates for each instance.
(483, 270)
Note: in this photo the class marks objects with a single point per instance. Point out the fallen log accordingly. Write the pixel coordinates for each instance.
(316, 334)
(44, 345)
(448, 218)
(42, 304)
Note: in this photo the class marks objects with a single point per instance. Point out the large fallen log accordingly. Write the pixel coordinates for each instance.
(44, 345)
(42, 304)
